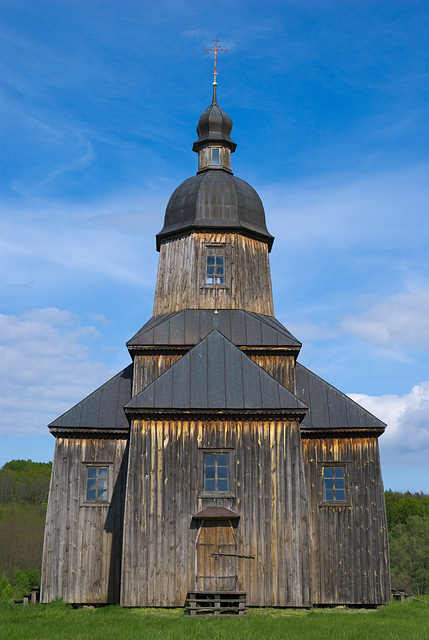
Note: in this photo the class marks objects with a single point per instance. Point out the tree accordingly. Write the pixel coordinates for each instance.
(409, 554)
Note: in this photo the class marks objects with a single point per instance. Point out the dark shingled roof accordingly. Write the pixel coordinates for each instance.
(189, 326)
(329, 408)
(216, 375)
(215, 200)
(103, 409)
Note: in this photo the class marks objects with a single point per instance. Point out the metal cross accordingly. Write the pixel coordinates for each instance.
(215, 50)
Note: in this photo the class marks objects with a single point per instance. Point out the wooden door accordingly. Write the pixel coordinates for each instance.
(216, 571)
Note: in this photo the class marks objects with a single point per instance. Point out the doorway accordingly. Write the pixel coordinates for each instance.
(216, 560)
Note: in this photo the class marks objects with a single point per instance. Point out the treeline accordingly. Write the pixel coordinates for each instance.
(408, 526)
(24, 487)
(25, 482)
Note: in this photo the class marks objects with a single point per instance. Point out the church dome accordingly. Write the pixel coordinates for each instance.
(215, 201)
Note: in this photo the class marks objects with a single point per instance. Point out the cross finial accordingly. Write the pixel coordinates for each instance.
(216, 49)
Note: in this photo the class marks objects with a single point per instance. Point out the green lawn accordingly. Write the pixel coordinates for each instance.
(401, 621)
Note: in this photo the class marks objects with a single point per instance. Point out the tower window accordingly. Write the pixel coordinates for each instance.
(215, 265)
(96, 484)
(334, 484)
(215, 156)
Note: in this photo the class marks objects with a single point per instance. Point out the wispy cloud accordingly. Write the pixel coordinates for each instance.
(367, 209)
(399, 322)
(95, 239)
(46, 366)
(84, 157)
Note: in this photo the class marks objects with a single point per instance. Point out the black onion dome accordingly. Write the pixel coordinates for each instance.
(214, 125)
(215, 201)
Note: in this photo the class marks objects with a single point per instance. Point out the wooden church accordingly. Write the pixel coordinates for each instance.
(215, 465)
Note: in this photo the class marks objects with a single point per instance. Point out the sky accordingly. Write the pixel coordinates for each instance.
(100, 102)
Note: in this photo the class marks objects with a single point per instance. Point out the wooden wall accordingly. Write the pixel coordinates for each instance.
(83, 544)
(162, 494)
(148, 367)
(280, 367)
(349, 547)
(181, 276)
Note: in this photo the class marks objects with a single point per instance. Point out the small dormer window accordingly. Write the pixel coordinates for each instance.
(215, 265)
(215, 156)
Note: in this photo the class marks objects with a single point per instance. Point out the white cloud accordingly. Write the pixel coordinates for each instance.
(406, 439)
(397, 322)
(45, 368)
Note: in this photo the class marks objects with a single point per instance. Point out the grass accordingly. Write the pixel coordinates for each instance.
(399, 620)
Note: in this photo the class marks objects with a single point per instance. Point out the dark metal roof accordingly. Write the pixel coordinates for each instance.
(214, 125)
(220, 376)
(216, 375)
(103, 409)
(329, 408)
(216, 513)
(189, 326)
(215, 200)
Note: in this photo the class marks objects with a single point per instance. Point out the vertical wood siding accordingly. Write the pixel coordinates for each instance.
(162, 494)
(181, 275)
(83, 544)
(149, 367)
(349, 547)
(281, 367)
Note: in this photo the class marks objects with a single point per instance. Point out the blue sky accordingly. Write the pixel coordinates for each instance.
(100, 101)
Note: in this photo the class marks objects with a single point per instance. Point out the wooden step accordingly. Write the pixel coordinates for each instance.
(216, 603)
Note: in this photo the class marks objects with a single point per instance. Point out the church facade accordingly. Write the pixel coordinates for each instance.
(215, 462)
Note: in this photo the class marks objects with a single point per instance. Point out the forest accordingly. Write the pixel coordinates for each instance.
(24, 487)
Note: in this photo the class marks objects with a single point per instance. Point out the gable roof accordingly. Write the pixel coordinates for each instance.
(101, 410)
(216, 375)
(329, 408)
(190, 326)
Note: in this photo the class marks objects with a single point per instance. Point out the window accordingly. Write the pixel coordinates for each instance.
(333, 484)
(96, 484)
(215, 156)
(215, 265)
(216, 472)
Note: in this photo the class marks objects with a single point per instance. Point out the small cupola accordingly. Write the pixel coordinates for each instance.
(214, 145)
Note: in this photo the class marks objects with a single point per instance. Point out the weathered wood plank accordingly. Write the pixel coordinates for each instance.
(348, 541)
(77, 561)
(265, 528)
(181, 277)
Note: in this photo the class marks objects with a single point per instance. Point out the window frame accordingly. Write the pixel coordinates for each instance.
(204, 265)
(230, 453)
(96, 465)
(219, 163)
(334, 465)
